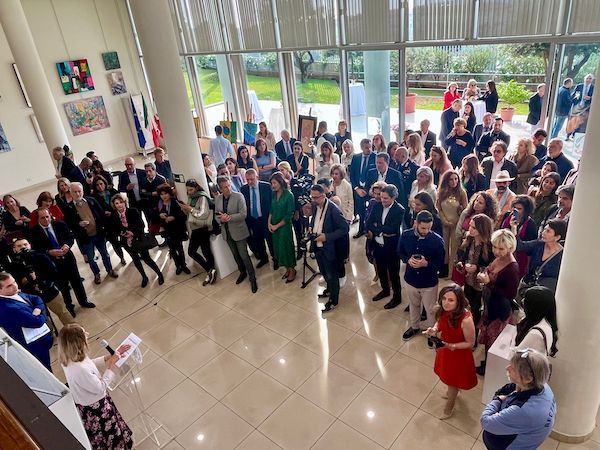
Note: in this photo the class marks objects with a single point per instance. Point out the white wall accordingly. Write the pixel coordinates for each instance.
(66, 30)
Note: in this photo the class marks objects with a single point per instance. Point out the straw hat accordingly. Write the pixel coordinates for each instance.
(503, 175)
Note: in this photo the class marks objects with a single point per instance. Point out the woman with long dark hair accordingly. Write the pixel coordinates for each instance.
(469, 116)
(103, 194)
(451, 202)
(490, 97)
(173, 219)
(244, 160)
(438, 162)
(378, 143)
(265, 160)
(280, 225)
(128, 224)
(326, 161)
(424, 202)
(471, 175)
(526, 228)
(545, 196)
(45, 201)
(539, 328)
(15, 217)
(200, 212)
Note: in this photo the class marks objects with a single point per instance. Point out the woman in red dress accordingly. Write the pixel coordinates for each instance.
(453, 335)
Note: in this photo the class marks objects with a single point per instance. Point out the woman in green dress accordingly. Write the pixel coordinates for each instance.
(280, 225)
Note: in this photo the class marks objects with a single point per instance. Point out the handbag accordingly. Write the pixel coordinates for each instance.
(529, 281)
(144, 242)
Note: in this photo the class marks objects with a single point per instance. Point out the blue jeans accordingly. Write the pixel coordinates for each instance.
(559, 121)
(88, 249)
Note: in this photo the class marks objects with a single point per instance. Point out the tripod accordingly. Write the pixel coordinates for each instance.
(306, 266)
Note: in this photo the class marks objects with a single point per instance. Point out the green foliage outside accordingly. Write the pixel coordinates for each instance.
(513, 93)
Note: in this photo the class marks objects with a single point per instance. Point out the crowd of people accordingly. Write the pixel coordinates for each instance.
(491, 220)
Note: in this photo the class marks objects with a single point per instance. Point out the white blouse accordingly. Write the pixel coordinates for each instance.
(85, 382)
(344, 192)
(323, 169)
(534, 339)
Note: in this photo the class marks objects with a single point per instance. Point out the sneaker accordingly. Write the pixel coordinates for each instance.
(97, 278)
(409, 334)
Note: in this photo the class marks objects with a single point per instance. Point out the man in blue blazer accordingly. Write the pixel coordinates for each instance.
(359, 168)
(329, 245)
(383, 172)
(81, 174)
(285, 146)
(258, 205)
(383, 226)
(19, 311)
(582, 101)
(131, 181)
(427, 136)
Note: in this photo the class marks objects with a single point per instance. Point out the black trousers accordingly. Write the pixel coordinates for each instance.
(200, 238)
(474, 297)
(360, 205)
(259, 235)
(329, 268)
(116, 245)
(388, 266)
(138, 257)
(176, 249)
(68, 274)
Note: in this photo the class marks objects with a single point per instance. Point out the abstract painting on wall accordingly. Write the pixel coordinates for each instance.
(75, 76)
(86, 115)
(4, 146)
(116, 82)
(111, 60)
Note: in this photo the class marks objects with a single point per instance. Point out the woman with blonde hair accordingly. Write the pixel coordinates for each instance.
(416, 152)
(342, 136)
(524, 158)
(451, 202)
(343, 190)
(286, 170)
(439, 162)
(471, 92)
(451, 94)
(101, 419)
(423, 183)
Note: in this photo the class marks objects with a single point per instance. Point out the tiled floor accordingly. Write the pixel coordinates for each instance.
(227, 369)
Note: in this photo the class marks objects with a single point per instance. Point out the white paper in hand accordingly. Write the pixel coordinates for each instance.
(133, 341)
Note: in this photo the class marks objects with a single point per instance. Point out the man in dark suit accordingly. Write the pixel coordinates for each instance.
(428, 137)
(285, 147)
(447, 119)
(383, 172)
(383, 226)
(556, 155)
(482, 128)
(359, 168)
(408, 171)
(82, 174)
(487, 139)
(563, 106)
(130, 181)
(492, 165)
(148, 191)
(258, 206)
(64, 164)
(582, 101)
(330, 228)
(535, 106)
(56, 239)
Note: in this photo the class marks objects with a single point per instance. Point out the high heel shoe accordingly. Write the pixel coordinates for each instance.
(292, 276)
(286, 274)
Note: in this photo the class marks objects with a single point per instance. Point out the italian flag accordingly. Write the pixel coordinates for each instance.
(152, 124)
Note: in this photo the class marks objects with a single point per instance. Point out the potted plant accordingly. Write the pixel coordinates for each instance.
(512, 93)
(410, 101)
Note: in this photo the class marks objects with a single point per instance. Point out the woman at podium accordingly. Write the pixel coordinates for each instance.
(103, 423)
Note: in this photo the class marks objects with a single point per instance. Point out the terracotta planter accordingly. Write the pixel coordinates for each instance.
(507, 114)
(410, 105)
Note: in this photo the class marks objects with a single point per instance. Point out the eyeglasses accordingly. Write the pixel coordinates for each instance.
(525, 355)
(316, 197)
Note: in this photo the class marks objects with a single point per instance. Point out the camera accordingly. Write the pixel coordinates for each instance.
(308, 237)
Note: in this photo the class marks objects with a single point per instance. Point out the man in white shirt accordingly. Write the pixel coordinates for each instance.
(220, 148)
(285, 146)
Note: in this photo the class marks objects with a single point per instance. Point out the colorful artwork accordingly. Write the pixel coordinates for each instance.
(250, 130)
(4, 145)
(111, 60)
(229, 130)
(87, 115)
(75, 76)
(116, 82)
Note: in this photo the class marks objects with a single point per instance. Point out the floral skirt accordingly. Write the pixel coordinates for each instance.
(489, 332)
(104, 425)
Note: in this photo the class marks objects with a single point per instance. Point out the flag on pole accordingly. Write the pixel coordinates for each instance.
(150, 124)
(138, 127)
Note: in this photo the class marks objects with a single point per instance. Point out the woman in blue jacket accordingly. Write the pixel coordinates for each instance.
(521, 414)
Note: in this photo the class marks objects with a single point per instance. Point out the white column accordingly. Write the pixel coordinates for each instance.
(577, 365)
(22, 46)
(161, 58)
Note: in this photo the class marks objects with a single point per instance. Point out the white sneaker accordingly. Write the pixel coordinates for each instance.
(342, 282)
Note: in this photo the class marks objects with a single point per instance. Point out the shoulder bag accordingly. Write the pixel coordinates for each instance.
(529, 281)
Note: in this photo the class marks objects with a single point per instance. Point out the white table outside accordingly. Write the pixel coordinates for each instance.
(253, 99)
(356, 95)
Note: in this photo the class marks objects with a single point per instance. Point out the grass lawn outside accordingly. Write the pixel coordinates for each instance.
(314, 91)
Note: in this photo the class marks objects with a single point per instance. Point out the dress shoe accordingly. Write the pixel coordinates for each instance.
(178, 271)
(123, 262)
(261, 263)
(409, 334)
(97, 279)
(292, 276)
(161, 279)
(253, 286)
(359, 234)
(241, 278)
(87, 304)
(144, 282)
(113, 274)
(329, 306)
(210, 277)
(381, 296)
(480, 370)
(186, 270)
(71, 309)
(392, 303)
(323, 294)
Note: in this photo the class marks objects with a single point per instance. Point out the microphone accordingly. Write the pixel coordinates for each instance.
(108, 348)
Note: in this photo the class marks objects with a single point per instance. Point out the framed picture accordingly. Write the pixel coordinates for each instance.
(4, 145)
(307, 127)
(111, 60)
(116, 82)
(20, 81)
(87, 115)
(75, 76)
(250, 130)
